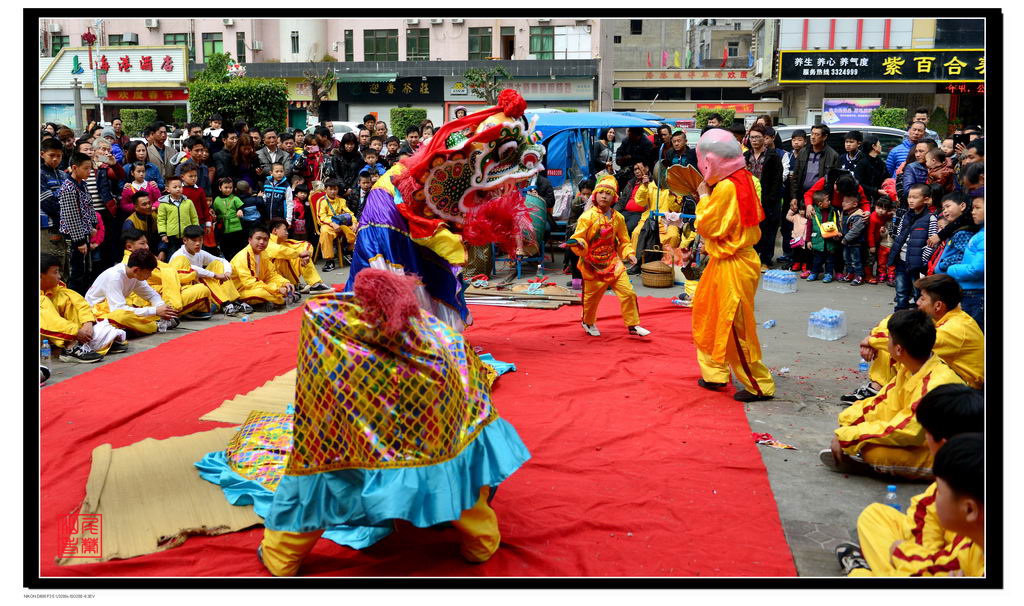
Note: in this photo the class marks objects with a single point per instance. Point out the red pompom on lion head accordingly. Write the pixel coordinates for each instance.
(511, 103)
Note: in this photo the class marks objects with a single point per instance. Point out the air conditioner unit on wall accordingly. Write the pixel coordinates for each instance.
(257, 45)
(55, 28)
(229, 22)
(133, 38)
(436, 21)
(412, 21)
(458, 21)
(152, 23)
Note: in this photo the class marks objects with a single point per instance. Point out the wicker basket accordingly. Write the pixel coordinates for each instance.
(656, 274)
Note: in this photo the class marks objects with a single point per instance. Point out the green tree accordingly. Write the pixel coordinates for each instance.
(216, 69)
(321, 80)
(404, 117)
(701, 116)
(261, 102)
(133, 121)
(892, 117)
(486, 83)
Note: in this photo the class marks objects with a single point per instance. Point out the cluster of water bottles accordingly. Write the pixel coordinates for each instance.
(827, 324)
(779, 280)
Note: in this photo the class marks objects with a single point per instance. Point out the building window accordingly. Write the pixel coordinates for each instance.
(118, 40)
(508, 42)
(736, 26)
(959, 33)
(572, 42)
(240, 47)
(417, 44)
(734, 49)
(636, 27)
(349, 53)
(295, 43)
(212, 44)
(617, 39)
(479, 43)
(380, 45)
(57, 43)
(180, 40)
(542, 42)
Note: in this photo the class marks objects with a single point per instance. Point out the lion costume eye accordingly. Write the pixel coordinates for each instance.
(508, 150)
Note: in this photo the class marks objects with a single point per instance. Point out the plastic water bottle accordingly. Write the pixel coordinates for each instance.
(769, 324)
(45, 352)
(891, 499)
(863, 365)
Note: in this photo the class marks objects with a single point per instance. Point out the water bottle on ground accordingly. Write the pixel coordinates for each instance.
(891, 499)
(45, 352)
(769, 324)
(863, 365)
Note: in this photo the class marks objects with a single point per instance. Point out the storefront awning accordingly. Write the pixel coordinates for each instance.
(377, 77)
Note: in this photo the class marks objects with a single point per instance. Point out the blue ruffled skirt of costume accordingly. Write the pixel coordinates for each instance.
(357, 506)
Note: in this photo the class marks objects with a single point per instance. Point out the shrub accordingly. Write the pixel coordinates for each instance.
(892, 117)
(261, 102)
(133, 121)
(404, 117)
(180, 116)
(568, 109)
(938, 121)
(701, 115)
(328, 58)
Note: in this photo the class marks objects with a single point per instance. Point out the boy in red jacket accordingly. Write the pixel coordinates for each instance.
(192, 191)
(879, 243)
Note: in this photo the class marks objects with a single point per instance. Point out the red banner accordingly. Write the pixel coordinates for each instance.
(741, 108)
(146, 95)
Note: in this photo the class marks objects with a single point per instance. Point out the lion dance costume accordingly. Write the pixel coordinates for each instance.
(724, 328)
(393, 418)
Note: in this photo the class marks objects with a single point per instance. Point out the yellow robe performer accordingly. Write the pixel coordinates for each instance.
(724, 327)
(883, 431)
(62, 312)
(285, 254)
(958, 341)
(255, 278)
(924, 547)
(668, 202)
(601, 242)
(326, 209)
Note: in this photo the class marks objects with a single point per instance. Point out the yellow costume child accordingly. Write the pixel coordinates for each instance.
(667, 202)
(601, 242)
(63, 312)
(172, 284)
(326, 209)
(724, 327)
(254, 275)
(294, 259)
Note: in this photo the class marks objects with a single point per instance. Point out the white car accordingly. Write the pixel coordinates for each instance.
(340, 128)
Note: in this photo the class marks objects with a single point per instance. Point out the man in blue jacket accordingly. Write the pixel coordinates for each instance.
(899, 153)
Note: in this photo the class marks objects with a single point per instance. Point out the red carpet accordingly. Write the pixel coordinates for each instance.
(636, 471)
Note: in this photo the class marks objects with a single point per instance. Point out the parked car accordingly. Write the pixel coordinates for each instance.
(340, 128)
(889, 137)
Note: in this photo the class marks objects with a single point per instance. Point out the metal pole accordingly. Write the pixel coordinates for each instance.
(76, 88)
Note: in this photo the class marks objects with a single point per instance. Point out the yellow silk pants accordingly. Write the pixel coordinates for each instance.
(755, 376)
(283, 551)
(593, 290)
(882, 370)
(292, 269)
(878, 527)
(914, 462)
(327, 237)
(222, 292)
(126, 319)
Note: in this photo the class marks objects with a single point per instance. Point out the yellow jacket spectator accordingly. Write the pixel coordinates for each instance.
(255, 276)
(66, 319)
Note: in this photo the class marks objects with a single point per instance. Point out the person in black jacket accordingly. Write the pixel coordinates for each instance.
(766, 165)
(819, 156)
(636, 148)
(873, 170)
(347, 164)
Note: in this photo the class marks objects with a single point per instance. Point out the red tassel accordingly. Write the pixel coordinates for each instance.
(388, 299)
(502, 220)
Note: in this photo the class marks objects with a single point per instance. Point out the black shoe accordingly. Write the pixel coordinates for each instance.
(118, 347)
(865, 391)
(710, 385)
(198, 315)
(329, 266)
(44, 374)
(850, 557)
(347, 260)
(320, 288)
(80, 356)
(745, 396)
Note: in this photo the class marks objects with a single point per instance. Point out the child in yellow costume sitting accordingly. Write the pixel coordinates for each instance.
(335, 220)
(658, 196)
(294, 258)
(255, 277)
(882, 432)
(895, 544)
(66, 319)
(601, 242)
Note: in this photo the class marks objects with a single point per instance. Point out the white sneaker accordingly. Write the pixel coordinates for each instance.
(591, 329)
(639, 331)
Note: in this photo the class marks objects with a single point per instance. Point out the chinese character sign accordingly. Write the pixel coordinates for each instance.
(891, 65)
(398, 90)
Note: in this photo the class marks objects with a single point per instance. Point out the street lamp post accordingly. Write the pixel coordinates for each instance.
(76, 88)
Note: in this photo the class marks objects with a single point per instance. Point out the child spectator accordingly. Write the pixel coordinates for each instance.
(66, 319)
(254, 276)
(970, 271)
(358, 201)
(911, 243)
(144, 220)
(294, 259)
(880, 242)
(174, 214)
(50, 178)
(576, 208)
(371, 157)
(108, 293)
(228, 208)
(601, 242)
(197, 153)
(335, 220)
(916, 543)
(277, 193)
(392, 144)
(302, 214)
(192, 191)
(137, 182)
(253, 207)
(825, 236)
(854, 225)
(959, 230)
(940, 170)
(798, 243)
(211, 272)
(95, 242)
(377, 144)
